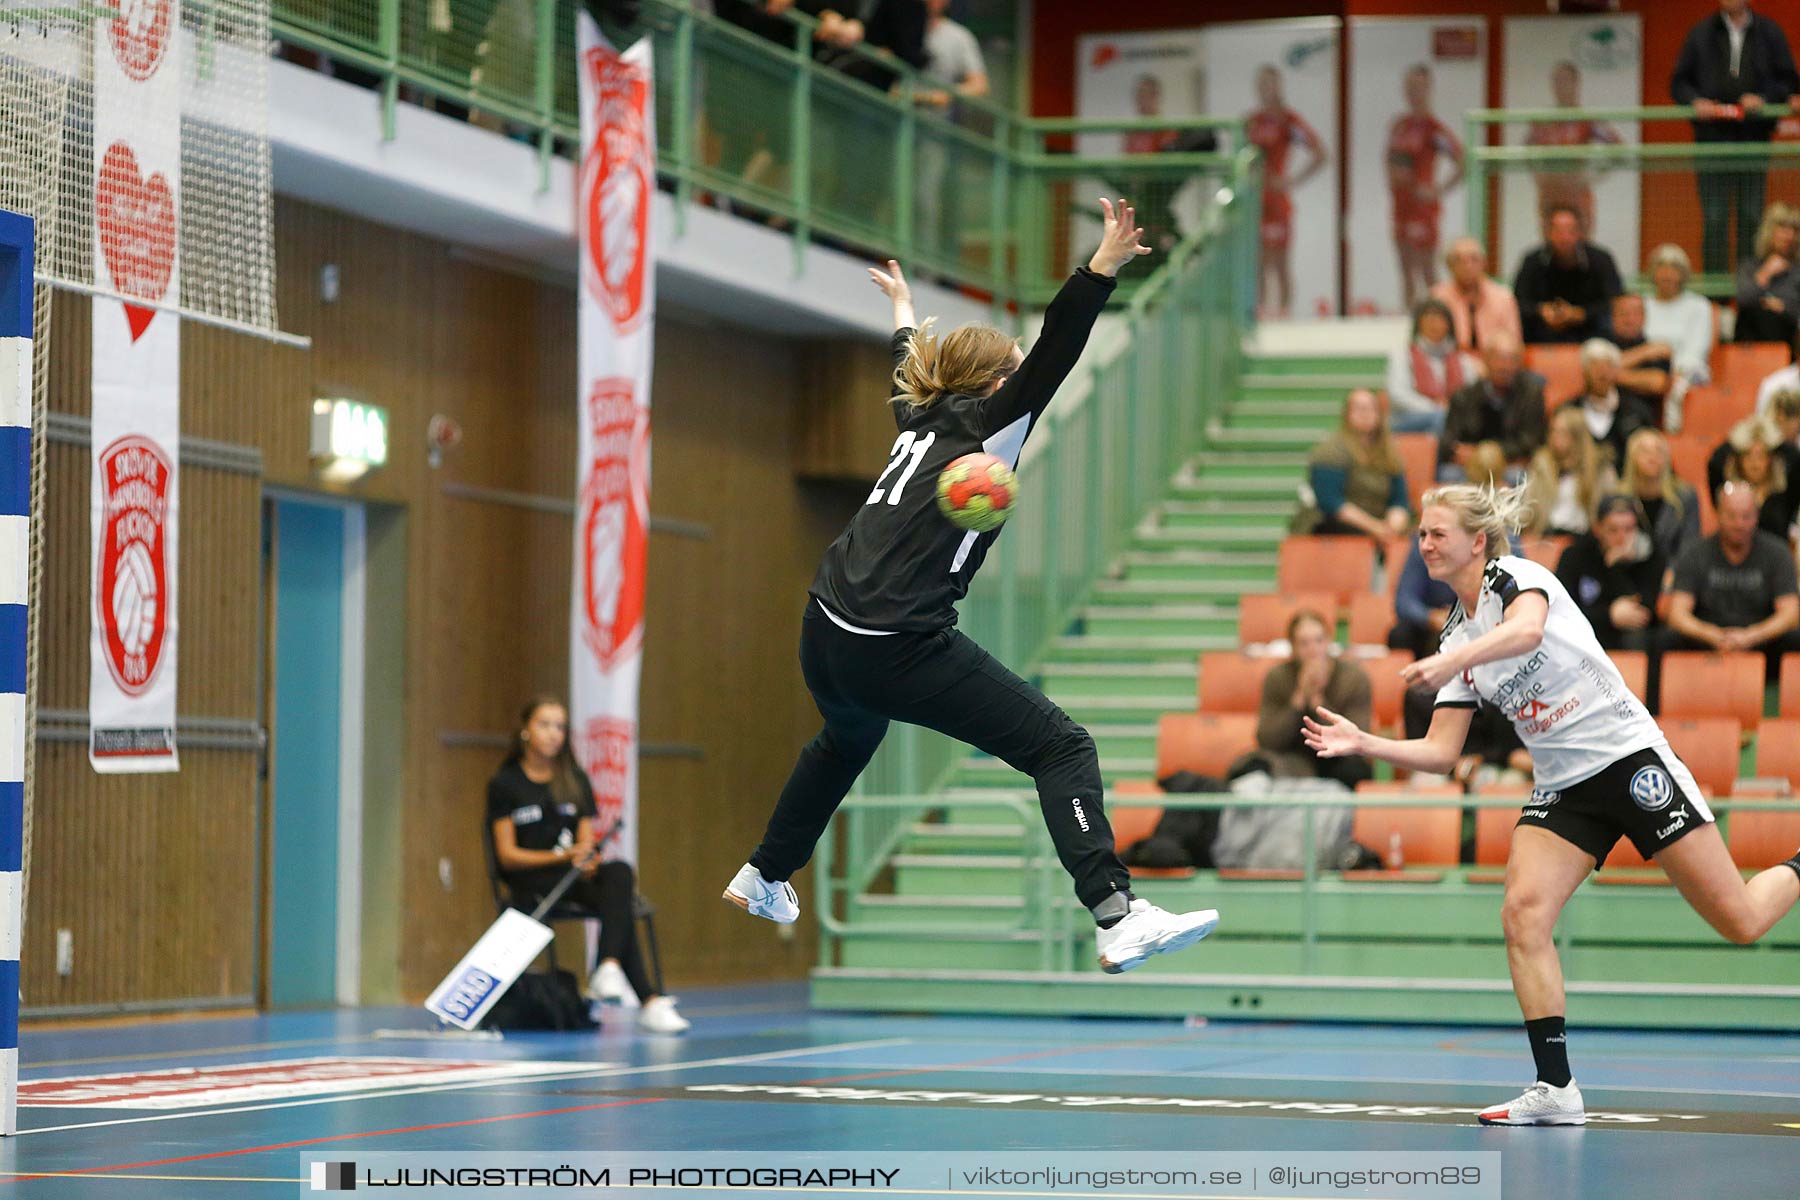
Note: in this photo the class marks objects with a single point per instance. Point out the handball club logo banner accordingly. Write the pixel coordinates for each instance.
(136, 402)
(616, 187)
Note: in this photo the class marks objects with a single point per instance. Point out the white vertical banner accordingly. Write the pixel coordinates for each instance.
(616, 190)
(1572, 62)
(1411, 79)
(1283, 77)
(136, 381)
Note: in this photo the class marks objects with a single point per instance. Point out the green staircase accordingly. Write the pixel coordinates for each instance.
(963, 906)
(1213, 536)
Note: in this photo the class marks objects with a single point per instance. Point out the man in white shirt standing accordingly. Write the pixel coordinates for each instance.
(952, 61)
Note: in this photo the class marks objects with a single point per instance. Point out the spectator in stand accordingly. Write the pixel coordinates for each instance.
(1668, 507)
(890, 29)
(1786, 379)
(1735, 589)
(1497, 422)
(1291, 690)
(1357, 479)
(952, 59)
(1683, 320)
(1568, 183)
(1421, 606)
(864, 47)
(1738, 73)
(1612, 415)
(1422, 374)
(1481, 308)
(1567, 478)
(1491, 754)
(737, 136)
(1756, 455)
(954, 64)
(1564, 286)
(1615, 574)
(1646, 368)
(1768, 282)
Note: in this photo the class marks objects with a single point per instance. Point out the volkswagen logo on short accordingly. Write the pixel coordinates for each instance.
(1652, 789)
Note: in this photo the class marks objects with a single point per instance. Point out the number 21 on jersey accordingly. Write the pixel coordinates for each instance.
(910, 449)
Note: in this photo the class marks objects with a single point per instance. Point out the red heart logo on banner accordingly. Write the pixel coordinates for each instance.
(136, 218)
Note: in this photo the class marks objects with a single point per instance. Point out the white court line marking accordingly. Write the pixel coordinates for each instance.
(595, 1073)
(1209, 1073)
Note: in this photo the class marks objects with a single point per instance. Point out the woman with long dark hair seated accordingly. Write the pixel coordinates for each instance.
(541, 809)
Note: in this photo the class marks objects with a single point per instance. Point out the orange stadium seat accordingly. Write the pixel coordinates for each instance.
(1204, 743)
(1778, 750)
(1493, 831)
(1387, 692)
(1708, 413)
(1561, 368)
(1634, 665)
(1419, 455)
(1790, 685)
(1761, 839)
(1742, 366)
(1371, 617)
(1688, 453)
(1709, 747)
(1428, 836)
(1264, 616)
(1546, 552)
(1707, 683)
(1231, 682)
(1131, 823)
(1393, 562)
(1342, 566)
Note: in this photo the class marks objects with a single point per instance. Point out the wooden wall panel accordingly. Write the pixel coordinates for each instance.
(842, 424)
(423, 331)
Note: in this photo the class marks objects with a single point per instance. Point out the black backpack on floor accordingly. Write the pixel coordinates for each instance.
(548, 1000)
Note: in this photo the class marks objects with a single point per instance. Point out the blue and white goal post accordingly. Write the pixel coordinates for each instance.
(15, 592)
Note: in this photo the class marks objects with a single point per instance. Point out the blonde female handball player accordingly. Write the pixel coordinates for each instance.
(1604, 770)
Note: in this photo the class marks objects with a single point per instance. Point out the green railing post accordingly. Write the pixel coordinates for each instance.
(1009, 602)
(1096, 473)
(905, 176)
(543, 89)
(1475, 175)
(1052, 557)
(683, 116)
(1309, 899)
(388, 36)
(800, 139)
(998, 183)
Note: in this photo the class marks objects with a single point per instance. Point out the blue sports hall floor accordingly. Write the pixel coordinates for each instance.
(1671, 1114)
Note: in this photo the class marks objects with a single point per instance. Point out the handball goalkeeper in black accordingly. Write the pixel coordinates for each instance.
(879, 642)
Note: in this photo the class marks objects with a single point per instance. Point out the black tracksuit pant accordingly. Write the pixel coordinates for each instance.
(942, 681)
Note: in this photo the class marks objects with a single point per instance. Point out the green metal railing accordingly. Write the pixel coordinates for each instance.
(1053, 920)
(1085, 480)
(1106, 453)
(971, 193)
(1667, 164)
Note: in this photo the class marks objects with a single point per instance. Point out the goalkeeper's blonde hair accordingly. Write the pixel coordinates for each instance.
(1498, 512)
(963, 362)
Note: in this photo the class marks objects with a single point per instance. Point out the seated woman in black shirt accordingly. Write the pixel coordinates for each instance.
(541, 809)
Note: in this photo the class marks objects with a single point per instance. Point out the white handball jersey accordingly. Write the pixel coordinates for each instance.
(1566, 698)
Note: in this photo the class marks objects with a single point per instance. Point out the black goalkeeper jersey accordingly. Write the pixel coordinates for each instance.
(901, 565)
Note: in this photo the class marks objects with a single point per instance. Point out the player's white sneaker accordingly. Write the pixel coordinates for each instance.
(1148, 930)
(609, 985)
(760, 898)
(659, 1016)
(1541, 1104)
